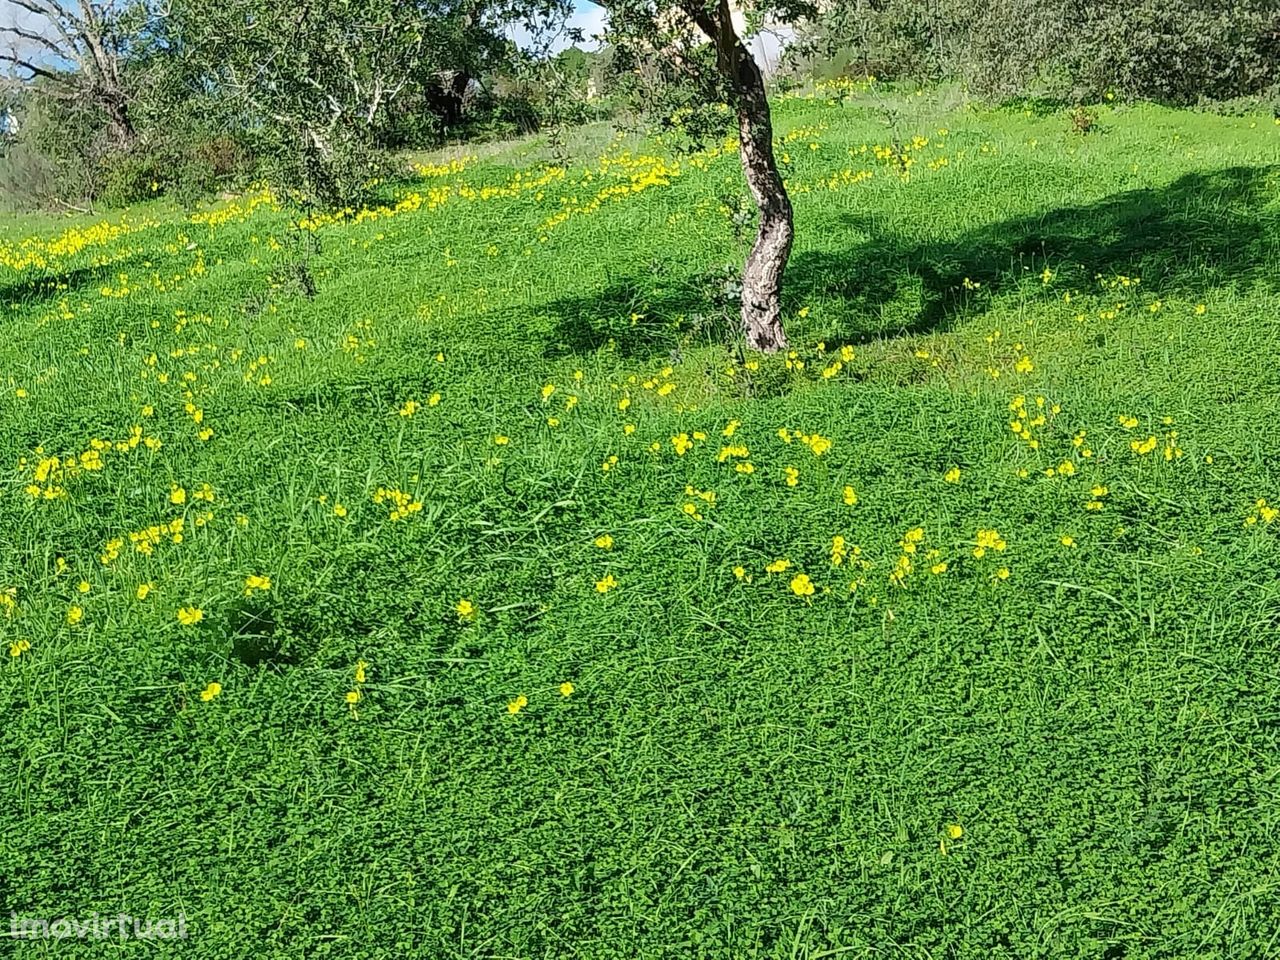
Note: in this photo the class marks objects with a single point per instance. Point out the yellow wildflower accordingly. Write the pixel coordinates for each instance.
(190, 616)
(801, 585)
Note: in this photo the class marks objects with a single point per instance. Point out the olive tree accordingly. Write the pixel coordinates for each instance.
(704, 40)
(81, 51)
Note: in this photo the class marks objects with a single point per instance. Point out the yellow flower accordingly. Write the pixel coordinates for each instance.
(838, 551)
(740, 572)
(19, 647)
(361, 667)
(850, 496)
(607, 584)
(793, 476)
(255, 583)
(547, 391)
(801, 585)
(83, 586)
(952, 475)
(955, 831)
(518, 704)
(938, 568)
(501, 441)
(144, 590)
(819, 445)
(604, 541)
(1067, 541)
(74, 615)
(1024, 365)
(988, 540)
(566, 689)
(433, 400)
(778, 566)
(211, 691)
(339, 510)
(353, 697)
(190, 616)
(1128, 422)
(1200, 308)
(177, 495)
(466, 609)
(410, 408)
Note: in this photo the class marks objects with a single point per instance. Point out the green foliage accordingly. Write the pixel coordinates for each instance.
(318, 85)
(56, 156)
(739, 771)
(1180, 52)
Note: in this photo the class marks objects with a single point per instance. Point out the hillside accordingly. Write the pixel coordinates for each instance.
(440, 579)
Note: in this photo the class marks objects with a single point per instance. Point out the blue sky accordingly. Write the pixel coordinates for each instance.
(587, 17)
(590, 19)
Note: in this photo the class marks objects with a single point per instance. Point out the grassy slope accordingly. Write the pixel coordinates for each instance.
(740, 771)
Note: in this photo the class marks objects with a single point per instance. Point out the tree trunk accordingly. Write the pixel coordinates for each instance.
(767, 262)
(120, 128)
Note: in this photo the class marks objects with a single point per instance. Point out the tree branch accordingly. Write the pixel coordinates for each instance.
(36, 38)
(36, 70)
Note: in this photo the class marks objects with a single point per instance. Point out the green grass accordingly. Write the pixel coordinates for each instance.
(740, 771)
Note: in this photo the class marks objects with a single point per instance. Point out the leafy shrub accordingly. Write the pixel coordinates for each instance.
(1176, 51)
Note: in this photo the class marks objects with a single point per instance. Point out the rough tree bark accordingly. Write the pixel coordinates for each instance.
(766, 265)
(762, 276)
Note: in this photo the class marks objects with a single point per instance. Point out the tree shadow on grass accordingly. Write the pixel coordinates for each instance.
(1203, 231)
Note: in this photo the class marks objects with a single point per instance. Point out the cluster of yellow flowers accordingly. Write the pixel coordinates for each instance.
(402, 504)
(1263, 512)
(816, 443)
(238, 210)
(630, 175)
(50, 474)
(690, 508)
(1025, 423)
(53, 254)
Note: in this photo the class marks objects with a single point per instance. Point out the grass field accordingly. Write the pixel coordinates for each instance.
(443, 582)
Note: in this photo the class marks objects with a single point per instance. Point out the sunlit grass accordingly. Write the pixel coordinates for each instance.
(447, 582)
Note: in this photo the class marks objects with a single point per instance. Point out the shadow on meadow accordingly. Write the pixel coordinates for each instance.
(1204, 230)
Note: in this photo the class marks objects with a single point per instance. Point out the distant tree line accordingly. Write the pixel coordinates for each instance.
(1181, 52)
(117, 100)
